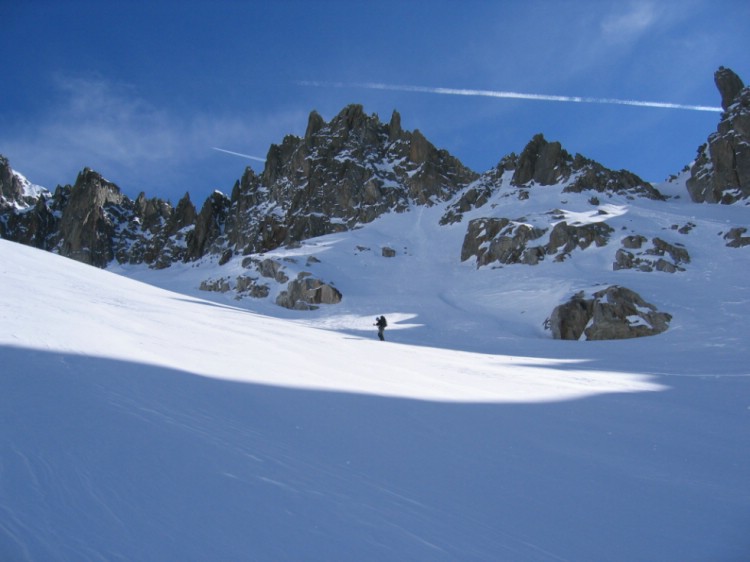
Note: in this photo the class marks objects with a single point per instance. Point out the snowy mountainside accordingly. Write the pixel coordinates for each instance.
(145, 424)
(451, 303)
(194, 418)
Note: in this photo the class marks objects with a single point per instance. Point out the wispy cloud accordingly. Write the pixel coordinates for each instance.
(510, 95)
(94, 122)
(630, 22)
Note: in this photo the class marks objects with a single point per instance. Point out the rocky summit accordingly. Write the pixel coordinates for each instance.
(721, 172)
(354, 169)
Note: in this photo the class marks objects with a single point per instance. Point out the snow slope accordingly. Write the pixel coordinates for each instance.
(144, 424)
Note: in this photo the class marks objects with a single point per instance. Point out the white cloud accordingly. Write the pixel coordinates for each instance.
(626, 26)
(113, 129)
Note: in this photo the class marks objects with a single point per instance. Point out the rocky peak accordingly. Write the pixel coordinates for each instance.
(208, 225)
(729, 85)
(92, 187)
(543, 162)
(184, 214)
(152, 212)
(548, 163)
(11, 187)
(26, 216)
(86, 232)
(721, 171)
(343, 172)
(314, 123)
(394, 127)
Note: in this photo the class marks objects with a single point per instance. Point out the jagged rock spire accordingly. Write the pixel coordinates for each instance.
(721, 172)
(729, 85)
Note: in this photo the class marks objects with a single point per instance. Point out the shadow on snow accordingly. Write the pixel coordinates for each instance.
(105, 459)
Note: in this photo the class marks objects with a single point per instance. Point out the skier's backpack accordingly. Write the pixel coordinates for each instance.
(384, 322)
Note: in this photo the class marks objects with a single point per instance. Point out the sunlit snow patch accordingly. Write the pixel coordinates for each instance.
(80, 310)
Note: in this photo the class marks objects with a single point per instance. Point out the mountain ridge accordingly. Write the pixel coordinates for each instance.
(353, 170)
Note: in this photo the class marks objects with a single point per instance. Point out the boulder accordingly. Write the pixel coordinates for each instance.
(736, 239)
(271, 269)
(610, 314)
(565, 237)
(652, 257)
(249, 286)
(569, 320)
(388, 252)
(220, 285)
(305, 293)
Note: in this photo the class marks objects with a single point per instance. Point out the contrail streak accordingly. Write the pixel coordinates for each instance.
(509, 95)
(240, 154)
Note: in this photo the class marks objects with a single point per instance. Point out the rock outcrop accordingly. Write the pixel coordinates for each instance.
(735, 237)
(88, 223)
(505, 241)
(610, 314)
(729, 85)
(342, 173)
(307, 293)
(659, 255)
(543, 163)
(547, 163)
(11, 185)
(721, 171)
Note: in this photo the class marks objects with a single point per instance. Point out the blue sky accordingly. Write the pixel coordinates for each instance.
(142, 91)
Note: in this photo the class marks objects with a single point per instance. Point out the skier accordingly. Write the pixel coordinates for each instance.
(381, 323)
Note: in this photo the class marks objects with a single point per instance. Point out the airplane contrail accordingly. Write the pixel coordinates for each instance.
(509, 95)
(256, 158)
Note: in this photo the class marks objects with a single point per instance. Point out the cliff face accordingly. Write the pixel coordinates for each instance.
(721, 172)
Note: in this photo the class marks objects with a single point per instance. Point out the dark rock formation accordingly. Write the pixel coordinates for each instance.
(387, 252)
(610, 314)
(547, 163)
(479, 192)
(501, 240)
(306, 293)
(568, 320)
(542, 162)
(209, 225)
(652, 257)
(564, 237)
(249, 286)
(343, 173)
(735, 238)
(729, 85)
(508, 242)
(87, 227)
(721, 171)
(11, 185)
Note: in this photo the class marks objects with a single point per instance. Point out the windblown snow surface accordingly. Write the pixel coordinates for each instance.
(139, 423)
